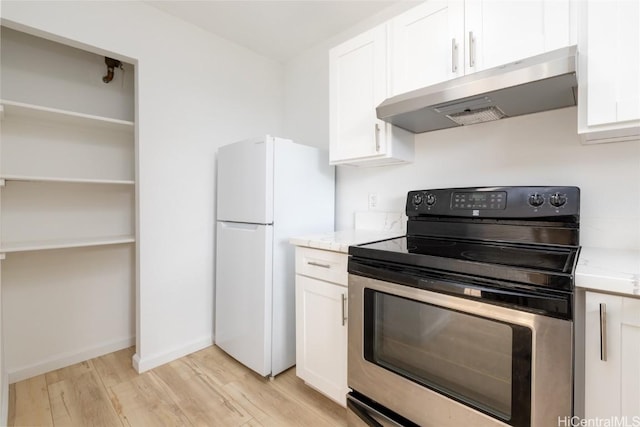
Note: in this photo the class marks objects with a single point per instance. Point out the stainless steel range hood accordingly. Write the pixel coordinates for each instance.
(539, 83)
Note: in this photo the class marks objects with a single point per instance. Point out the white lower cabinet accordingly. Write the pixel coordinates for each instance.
(612, 357)
(321, 321)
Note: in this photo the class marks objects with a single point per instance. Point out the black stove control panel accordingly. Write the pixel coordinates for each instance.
(495, 202)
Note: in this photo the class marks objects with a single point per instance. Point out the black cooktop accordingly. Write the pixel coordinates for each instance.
(544, 258)
(526, 235)
(539, 266)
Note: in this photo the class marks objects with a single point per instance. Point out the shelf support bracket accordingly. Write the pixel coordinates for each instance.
(2, 182)
(2, 256)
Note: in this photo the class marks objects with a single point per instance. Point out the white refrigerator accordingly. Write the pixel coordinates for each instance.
(268, 190)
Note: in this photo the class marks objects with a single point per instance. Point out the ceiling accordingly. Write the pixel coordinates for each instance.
(277, 29)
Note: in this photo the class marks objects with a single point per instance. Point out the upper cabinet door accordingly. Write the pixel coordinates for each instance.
(358, 83)
(609, 71)
(427, 45)
(503, 31)
(613, 61)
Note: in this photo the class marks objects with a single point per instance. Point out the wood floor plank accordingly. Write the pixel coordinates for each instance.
(207, 388)
(265, 399)
(270, 407)
(81, 400)
(220, 365)
(69, 372)
(32, 407)
(146, 401)
(199, 396)
(11, 412)
(115, 368)
(309, 399)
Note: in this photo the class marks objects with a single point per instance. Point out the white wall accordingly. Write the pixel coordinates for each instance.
(539, 149)
(195, 93)
(306, 86)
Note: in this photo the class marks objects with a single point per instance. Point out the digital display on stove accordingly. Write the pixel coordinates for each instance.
(479, 200)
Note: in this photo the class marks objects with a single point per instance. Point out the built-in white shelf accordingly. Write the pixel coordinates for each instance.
(8, 247)
(38, 112)
(65, 180)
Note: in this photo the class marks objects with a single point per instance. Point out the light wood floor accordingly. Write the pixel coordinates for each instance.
(207, 388)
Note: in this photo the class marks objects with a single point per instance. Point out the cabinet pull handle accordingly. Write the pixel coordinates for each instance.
(603, 332)
(377, 137)
(454, 56)
(344, 309)
(317, 264)
(472, 50)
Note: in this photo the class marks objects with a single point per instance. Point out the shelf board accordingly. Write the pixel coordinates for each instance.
(38, 112)
(65, 180)
(9, 247)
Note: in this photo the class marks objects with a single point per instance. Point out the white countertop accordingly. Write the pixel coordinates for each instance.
(609, 270)
(605, 270)
(339, 241)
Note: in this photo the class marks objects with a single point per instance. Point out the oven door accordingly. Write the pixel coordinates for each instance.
(441, 360)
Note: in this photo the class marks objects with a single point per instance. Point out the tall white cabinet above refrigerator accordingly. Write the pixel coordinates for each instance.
(268, 190)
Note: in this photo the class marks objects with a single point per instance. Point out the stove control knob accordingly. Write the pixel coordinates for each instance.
(417, 199)
(431, 199)
(536, 200)
(558, 199)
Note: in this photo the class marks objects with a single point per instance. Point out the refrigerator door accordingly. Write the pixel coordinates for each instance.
(245, 181)
(243, 294)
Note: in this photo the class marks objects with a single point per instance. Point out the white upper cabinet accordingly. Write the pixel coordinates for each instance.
(440, 40)
(358, 83)
(428, 45)
(501, 31)
(609, 71)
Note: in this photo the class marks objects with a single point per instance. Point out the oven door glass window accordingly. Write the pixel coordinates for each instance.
(480, 362)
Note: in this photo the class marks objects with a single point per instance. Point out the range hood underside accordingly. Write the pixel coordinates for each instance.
(541, 83)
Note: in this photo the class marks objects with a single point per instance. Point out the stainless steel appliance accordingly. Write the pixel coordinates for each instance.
(540, 83)
(468, 319)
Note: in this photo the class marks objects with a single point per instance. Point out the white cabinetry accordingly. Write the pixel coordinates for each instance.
(499, 32)
(612, 352)
(67, 205)
(427, 45)
(358, 82)
(609, 71)
(440, 40)
(435, 41)
(321, 321)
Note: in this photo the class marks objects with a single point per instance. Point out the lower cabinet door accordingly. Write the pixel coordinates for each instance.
(612, 355)
(321, 336)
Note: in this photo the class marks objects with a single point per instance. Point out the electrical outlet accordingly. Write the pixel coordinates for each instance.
(373, 200)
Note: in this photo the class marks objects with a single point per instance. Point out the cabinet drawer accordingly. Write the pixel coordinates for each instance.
(324, 265)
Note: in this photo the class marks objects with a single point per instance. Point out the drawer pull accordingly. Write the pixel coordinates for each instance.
(344, 309)
(317, 264)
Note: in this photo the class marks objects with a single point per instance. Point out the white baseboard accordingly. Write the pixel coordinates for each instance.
(66, 359)
(144, 363)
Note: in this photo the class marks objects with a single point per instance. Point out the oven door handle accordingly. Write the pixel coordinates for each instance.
(370, 416)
